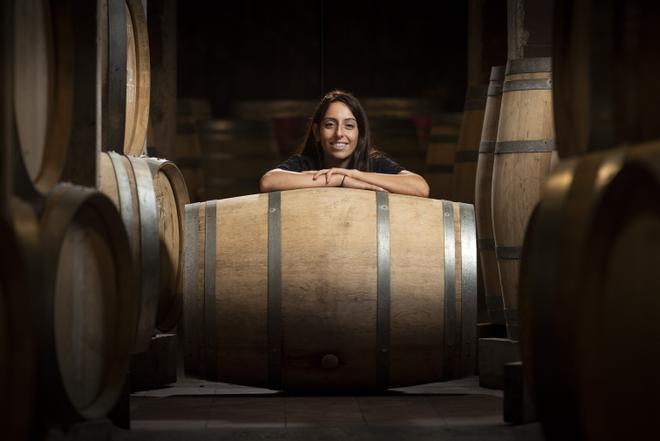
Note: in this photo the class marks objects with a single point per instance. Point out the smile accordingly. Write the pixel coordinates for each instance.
(339, 145)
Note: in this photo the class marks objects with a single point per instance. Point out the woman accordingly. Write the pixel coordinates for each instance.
(337, 152)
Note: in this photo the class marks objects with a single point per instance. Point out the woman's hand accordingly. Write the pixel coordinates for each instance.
(329, 172)
(349, 182)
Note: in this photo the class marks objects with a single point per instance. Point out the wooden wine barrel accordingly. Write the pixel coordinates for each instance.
(187, 147)
(329, 289)
(445, 129)
(398, 108)
(467, 151)
(17, 337)
(88, 307)
(604, 62)
(589, 353)
(129, 184)
(483, 193)
(236, 154)
(138, 78)
(398, 139)
(171, 198)
(523, 160)
(43, 87)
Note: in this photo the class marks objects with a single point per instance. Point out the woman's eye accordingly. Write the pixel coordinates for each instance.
(349, 126)
(328, 124)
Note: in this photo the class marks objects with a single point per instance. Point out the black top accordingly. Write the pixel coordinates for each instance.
(380, 163)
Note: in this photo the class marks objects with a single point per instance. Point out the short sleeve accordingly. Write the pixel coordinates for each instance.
(383, 164)
(297, 163)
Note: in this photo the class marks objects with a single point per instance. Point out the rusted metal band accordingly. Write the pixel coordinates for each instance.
(383, 293)
(487, 146)
(275, 290)
(531, 146)
(210, 303)
(450, 342)
(468, 289)
(529, 65)
(497, 73)
(514, 85)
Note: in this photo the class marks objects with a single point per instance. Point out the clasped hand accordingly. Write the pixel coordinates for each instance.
(350, 179)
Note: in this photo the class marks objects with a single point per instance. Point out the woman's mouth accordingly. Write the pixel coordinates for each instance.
(339, 145)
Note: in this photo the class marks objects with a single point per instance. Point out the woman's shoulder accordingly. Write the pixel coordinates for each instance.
(381, 163)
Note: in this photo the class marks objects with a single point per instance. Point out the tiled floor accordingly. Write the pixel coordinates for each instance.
(200, 410)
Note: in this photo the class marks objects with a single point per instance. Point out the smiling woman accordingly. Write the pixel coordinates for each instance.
(337, 152)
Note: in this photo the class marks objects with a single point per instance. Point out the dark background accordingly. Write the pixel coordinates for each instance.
(294, 49)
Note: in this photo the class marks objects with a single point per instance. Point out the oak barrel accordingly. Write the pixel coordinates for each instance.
(329, 289)
(235, 155)
(129, 183)
(523, 159)
(171, 198)
(483, 193)
(445, 129)
(138, 78)
(588, 311)
(43, 87)
(467, 151)
(17, 337)
(88, 306)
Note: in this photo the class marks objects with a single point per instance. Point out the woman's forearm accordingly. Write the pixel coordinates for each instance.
(406, 182)
(279, 180)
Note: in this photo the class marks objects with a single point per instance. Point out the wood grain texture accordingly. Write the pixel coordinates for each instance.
(43, 88)
(329, 290)
(89, 287)
(138, 79)
(518, 177)
(483, 193)
(467, 151)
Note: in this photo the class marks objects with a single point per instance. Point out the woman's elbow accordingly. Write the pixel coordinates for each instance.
(266, 183)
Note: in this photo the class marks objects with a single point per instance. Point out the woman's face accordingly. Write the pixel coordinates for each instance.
(338, 134)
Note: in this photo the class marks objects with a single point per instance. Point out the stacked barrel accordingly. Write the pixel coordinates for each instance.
(92, 242)
(588, 280)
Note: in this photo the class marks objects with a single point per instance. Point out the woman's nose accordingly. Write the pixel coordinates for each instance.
(339, 132)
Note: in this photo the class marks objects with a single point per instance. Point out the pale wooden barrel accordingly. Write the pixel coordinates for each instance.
(523, 159)
(390, 300)
(18, 340)
(138, 78)
(398, 139)
(129, 184)
(171, 198)
(235, 155)
(43, 87)
(467, 151)
(87, 308)
(589, 352)
(445, 129)
(187, 147)
(483, 193)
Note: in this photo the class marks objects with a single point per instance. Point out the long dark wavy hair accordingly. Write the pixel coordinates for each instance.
(311, 147)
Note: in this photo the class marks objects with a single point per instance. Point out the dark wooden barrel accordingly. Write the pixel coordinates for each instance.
(394, 305)
(43, 87)
(171, 198)
(467, 151)
(483, 194)
(88, 307)
(128, 182)
(18, 340)
(398, 138)
(443, 138)
(138, 78)
(604, 60)
(187, 148)
(523, 160)
(587, 290)
(236, 154)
